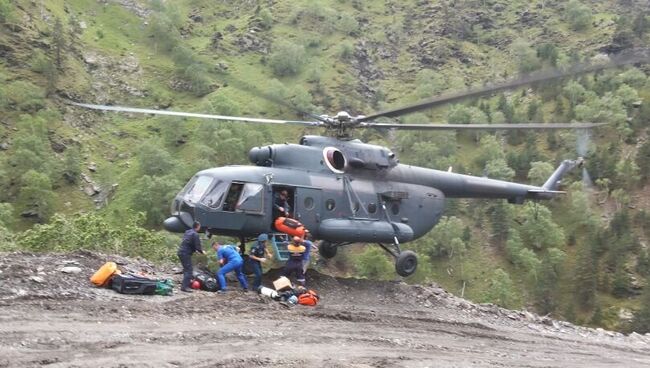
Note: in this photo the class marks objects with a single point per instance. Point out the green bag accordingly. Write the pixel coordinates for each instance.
(164, 287)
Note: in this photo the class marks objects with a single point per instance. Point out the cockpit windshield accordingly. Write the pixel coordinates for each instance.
(215, 196)
(197, 188)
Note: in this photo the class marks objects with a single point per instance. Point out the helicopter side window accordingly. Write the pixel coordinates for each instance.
(330, 204)
(215, 195)
(251, 198)
(197, 189)
(395, 208)
(231, 198)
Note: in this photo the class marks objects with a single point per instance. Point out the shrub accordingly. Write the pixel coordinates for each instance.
(346, 50)
(91, 231)
(373, 264)
(287, 59)
(578, 15)
(25, 96)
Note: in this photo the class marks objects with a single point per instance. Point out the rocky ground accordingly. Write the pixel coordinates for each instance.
(50, 317)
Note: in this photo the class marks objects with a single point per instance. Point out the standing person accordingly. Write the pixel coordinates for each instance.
(281, 205)
(294, 264)
(309, 246)
(230, 260)
(191, 243)
(258, 254)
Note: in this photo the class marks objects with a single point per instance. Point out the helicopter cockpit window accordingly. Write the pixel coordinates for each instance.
(215, 195)
(197, 189)
(231, 198)
(251, 198)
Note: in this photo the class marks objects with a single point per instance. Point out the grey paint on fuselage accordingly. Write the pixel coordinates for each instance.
(349, 199)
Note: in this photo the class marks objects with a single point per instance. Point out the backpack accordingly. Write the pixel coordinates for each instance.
(309, 297)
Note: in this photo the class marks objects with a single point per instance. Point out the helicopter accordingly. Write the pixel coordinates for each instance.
(344, 190)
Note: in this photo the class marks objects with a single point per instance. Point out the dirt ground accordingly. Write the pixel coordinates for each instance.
(51, 318)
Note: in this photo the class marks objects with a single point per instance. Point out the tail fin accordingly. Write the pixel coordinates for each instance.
(554, 180)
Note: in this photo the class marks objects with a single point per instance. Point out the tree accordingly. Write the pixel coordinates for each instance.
(574, 92)
(6, 11)
(539, 172)
(525, 56)
(578, 15)
(373, 264)
(500, 214)
(538, 228)
(585, 277)
(6, 214)
(641, 321)
(498, 169)
(546, 285)
(641, 24)
(627, 173)
(153, 195)
(489, 150)
(447, 238)
(36, 194)
(287, 59)
(72, 165)
(58, 42)
(31, 146)
(154, 160)
(501, 290)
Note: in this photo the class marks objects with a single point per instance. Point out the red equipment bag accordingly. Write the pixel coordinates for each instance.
(290, 226)
(309, 297)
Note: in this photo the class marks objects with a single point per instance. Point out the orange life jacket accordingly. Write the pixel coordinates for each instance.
(309, 297)
(290, 226)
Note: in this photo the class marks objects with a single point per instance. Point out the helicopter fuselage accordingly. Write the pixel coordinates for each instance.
(342, 191)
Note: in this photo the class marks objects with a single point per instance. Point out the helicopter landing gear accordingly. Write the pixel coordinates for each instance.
(327, 249)
(406, 262)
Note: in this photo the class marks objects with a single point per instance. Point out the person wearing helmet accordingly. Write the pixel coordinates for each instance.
(294, 264)
(259, 254)
(229, 260)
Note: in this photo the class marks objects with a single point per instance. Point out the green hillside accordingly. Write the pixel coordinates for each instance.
(75, 178)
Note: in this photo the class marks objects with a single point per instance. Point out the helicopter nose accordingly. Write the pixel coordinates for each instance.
(175, 225)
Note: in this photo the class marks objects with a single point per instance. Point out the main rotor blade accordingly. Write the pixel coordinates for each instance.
(623, 58)
(246, 87)
(195, 115)
(531, 126)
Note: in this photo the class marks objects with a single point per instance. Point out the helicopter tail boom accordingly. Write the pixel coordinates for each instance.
(466, 186)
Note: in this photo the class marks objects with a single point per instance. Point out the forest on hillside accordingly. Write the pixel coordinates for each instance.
(72, 178)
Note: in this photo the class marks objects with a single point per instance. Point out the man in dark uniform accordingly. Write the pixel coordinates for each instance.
(258, 255)
(281, 205)
(191, 243)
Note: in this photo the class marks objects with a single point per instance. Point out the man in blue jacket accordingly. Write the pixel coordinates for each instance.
(230, 260)
(191, 243)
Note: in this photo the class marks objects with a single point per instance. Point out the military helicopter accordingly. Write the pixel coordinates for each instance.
(346, 191)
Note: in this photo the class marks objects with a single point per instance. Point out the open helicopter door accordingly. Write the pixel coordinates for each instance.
(308, 207)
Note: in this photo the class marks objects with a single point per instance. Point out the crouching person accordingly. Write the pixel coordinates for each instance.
(230, 261)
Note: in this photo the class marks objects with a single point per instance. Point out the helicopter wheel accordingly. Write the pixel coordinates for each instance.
(406, 263)
(327, 249)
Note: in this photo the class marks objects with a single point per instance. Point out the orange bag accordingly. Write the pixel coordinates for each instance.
(104, 274)
(290, 226)
(309, 297)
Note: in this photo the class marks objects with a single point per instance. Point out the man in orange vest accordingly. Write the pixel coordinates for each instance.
(294, 264)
